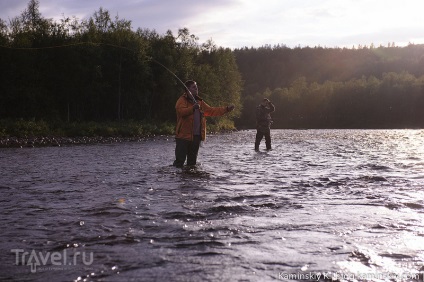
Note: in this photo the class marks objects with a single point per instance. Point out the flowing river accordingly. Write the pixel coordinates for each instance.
(323, 205)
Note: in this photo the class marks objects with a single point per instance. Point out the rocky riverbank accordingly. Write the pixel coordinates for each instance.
(30, 142)
(28, 134)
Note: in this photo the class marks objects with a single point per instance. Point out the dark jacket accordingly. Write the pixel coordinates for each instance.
(263, 117)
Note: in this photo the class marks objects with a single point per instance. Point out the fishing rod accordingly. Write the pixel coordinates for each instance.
(185, 86)
(111, 45)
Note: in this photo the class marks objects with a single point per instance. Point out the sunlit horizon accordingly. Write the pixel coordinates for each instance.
(239, 24)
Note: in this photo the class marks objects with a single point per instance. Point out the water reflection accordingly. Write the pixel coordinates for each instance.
(340, 201)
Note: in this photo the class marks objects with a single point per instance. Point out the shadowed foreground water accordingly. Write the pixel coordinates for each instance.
(322, 205)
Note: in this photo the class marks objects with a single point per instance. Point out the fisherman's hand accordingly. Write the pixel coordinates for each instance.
(196, 106)
(230, 108)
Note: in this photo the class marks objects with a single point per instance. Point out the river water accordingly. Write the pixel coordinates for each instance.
(341, 205)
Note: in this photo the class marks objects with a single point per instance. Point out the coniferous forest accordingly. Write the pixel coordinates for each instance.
(102, 69)
(99, 69)
(363, 87)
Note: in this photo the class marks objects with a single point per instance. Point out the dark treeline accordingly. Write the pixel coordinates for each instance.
(99, 69)
(364, 87)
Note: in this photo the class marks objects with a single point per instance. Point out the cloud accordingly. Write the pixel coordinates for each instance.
(239, 23)
(11, 9)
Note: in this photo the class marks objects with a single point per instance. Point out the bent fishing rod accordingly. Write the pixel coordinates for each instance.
(185, 86)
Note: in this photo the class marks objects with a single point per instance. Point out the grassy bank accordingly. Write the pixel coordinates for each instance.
(31, 128)
(26, 128)
(31, 133)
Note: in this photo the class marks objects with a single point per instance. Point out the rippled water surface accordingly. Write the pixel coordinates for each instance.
(339, 202)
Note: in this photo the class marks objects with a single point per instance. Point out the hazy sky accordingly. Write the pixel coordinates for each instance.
(240, 23)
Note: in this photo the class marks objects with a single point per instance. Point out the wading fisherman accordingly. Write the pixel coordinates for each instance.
(191, 123)
(263, 123)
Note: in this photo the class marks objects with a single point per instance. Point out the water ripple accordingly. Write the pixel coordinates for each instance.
(340, 201)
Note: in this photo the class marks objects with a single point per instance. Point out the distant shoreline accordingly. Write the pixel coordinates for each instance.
(28, 134)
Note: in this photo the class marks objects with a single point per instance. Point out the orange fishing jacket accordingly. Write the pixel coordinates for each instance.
(185, 117)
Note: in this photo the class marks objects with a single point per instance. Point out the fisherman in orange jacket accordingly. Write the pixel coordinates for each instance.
(191, 124)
